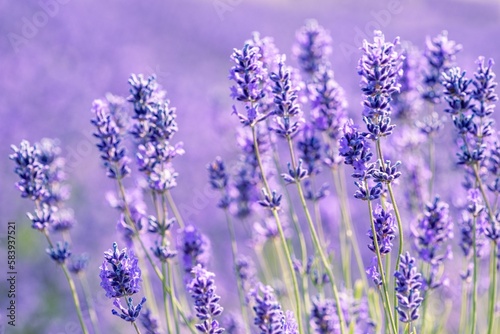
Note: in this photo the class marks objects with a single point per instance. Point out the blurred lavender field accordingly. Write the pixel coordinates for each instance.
(50, 76)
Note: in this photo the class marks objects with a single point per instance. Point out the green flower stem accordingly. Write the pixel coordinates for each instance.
(474, 277)
(463, 308)
(136, 328)
(493, 259)
(75, 298)
(71, 283)
(316, 242)
(165, 296)
(234, 250)
(173, 206)
(90, 303)
(286, 249)
(398, 219)
(388, 307)
(155, 267)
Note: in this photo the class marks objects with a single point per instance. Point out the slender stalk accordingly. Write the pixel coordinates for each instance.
(463, 308)
(75, 298)
(493, 259)
(474, 278)
(286, 249)
(388, 308)
(71, 283)
(234, 250)
(136, 328)
(175, 211)
(165, 297)
(90, 303)
(317, 244)
(172, 290)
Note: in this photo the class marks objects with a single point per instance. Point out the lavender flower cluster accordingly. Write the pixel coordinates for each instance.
(296, 268)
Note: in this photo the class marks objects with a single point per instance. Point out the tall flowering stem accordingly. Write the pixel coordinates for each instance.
(40, 170)
(249, 76)
(288, 121)
(219, 181)
(470, 110)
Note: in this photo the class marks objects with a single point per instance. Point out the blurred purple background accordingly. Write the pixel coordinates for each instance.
(53, 66)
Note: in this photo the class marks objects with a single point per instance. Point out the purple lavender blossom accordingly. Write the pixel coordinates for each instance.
(124, 276)
(385, 229)
(309, 146)
(60, 253)
(131, 313)
(113, 153)
(268, 313)
(78, 263)
(287, 114)
(149, 323)
(440, 54)
(328, 104)
(379, 68)
(232, 324)
(219, 180)
(290, 324)
(248, 75)
(408, 285)
(475, 209)
(324, 319)
(206, 301)
(33, 183)
(313, 47)
(41, 218)
(194, 248)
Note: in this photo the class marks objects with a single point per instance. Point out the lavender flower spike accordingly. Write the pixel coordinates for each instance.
(206, 301)
(313, 47)
(408, 284)
(385, 229)
(268, 313)
(194, 248)
(131, 313)
(109, 134)
(124, 276)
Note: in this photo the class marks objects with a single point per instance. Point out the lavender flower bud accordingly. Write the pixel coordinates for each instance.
(268, 313)
(202, 290)
(124, 276)
(149, 323)
(60, 253)
(131, 313)
(385, 229)
(313, 47)
(78, 263)
(194, 248)
(408, 284)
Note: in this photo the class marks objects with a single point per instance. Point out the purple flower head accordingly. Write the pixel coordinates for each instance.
(149, 323)
(206, 301)
(310, 150)
(219, 179)
(233, 324)
(379, 68)
(78, 263)
(163, 253)
(31, 171)
(324, 319)
(295, 175)
(244, 193)
(287, 114)
(408, 285)
(440, 54)
(194, 248)
(432, 231)
(245, 270)
(42, 218)
(313, 47)
(328, 104)
(484, 91)
(266, 49)
(144, 93)
(373, 272)
(109, 134)
(271, 201)
(456, 91)
(131, 313)
(124, 275)
(64, 220)
(385, 229)
(249, 74)
(355, 149)
(290, 324)
(268, 313)
(59, 253)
